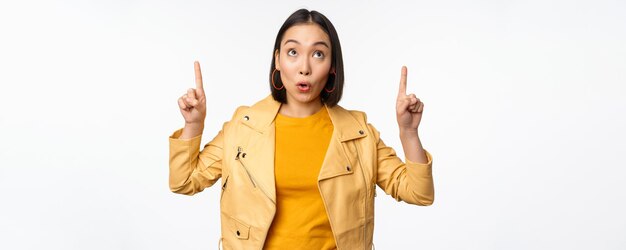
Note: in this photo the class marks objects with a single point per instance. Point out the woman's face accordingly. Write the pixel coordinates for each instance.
(304, 62)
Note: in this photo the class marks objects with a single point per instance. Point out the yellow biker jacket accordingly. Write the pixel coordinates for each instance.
(242, 155)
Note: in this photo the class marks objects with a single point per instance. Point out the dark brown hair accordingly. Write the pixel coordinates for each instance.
(335, 81)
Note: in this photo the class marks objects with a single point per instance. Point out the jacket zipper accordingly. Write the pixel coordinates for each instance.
(239, 150)
(367, 193)
(238, 158)
(224, 187)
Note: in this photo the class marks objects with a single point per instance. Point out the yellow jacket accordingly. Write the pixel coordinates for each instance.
(242, 154)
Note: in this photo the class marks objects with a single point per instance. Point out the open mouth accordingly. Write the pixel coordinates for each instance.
(304, 86)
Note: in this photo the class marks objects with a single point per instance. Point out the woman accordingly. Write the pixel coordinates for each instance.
(299, 171)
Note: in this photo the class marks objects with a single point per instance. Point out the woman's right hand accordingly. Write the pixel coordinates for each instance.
(193, 104)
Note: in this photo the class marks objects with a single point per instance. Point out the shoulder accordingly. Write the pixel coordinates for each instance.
(259, 116)
(358, 115)
(239, 111)
(267, 104)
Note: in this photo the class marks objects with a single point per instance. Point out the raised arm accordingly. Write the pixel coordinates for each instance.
(409, 110)
(191, 170)
(412, 181)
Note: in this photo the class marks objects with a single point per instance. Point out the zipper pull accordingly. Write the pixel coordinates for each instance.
(239, 149)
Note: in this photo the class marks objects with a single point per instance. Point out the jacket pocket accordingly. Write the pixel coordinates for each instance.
(238, 229)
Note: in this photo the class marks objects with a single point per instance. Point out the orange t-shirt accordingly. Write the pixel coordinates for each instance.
(301, 221)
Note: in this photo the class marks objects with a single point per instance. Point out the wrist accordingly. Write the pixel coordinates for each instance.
(191, 131)
(408, 132)
(194, 125)
(193, 128)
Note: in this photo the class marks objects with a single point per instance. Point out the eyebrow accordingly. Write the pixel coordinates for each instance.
(316, 43)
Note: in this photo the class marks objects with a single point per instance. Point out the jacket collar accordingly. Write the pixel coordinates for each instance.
(260, 117)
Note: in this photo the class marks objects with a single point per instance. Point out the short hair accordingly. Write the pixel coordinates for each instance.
(336, 80)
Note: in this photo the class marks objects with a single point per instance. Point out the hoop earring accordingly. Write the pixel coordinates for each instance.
(334, 85)
(273, 84)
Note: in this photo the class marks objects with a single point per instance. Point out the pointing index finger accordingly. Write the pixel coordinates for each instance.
(196, 66)
(402, 89)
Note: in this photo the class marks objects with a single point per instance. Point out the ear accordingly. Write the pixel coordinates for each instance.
(332, 71)
(276, 60)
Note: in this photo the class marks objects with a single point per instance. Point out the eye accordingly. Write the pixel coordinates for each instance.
(318, 54)
(292, 52)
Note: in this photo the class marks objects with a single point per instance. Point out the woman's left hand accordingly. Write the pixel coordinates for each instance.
(408, 107)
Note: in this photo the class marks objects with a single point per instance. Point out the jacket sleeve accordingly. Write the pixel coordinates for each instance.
(410, 182)
(192, 171)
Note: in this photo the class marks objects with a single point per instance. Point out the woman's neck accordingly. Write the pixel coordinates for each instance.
(300, 110)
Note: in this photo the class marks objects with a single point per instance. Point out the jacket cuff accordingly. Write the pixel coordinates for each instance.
(184, 142)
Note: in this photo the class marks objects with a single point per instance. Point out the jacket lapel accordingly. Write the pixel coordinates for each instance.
(339, 159)
(260, 145)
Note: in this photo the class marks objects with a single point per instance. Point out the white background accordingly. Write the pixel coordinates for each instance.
(524, 115)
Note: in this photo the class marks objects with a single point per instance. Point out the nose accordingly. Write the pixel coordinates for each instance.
(304, 68)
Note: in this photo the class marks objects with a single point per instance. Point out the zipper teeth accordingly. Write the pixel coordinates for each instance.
(247, 172)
